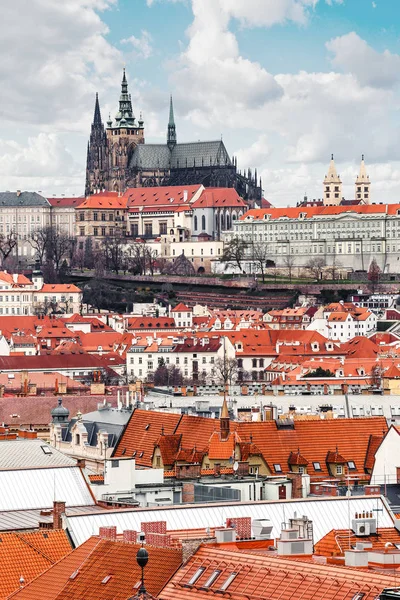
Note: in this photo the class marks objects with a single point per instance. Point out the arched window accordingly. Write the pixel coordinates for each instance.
(228, 222)
(222, 221)
(203, 223)
(195, 223)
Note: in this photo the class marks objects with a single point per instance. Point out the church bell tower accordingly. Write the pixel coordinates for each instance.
(363, 185)
(332, 186)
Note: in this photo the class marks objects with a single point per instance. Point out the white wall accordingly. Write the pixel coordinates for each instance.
(387, 459)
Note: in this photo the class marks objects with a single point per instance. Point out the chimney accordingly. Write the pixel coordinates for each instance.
(108, 533)
(185, 195)
(15, 277)
(58, 512)
(130, 536)
(18, 193)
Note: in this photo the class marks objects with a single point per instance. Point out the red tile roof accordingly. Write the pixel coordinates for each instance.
(219, 197)
(104, 202)
(168, 197)
(271, 577)
(28, 555)
(20, 279)
(181, 308)
(143, 323)
(293, 212)
(337, 541)
(51, 582)
(103, 569)
(316, 439)
(142, 431)
(73, 202)
(59, 288)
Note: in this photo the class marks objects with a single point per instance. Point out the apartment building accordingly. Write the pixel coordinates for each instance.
(21, 296)
(349, 236)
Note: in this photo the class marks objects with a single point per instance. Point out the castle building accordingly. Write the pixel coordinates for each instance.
(118, 157)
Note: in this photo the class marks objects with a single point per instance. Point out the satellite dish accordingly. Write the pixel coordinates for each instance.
(235, 465)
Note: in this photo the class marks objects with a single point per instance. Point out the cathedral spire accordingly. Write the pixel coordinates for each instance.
(125, 116)
(171, 137)
(97, 114)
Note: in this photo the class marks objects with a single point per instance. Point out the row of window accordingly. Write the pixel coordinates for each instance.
(167, 360)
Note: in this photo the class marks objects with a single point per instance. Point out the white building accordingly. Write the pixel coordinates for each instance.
(21, 296)
(194, 356)
(342, 322)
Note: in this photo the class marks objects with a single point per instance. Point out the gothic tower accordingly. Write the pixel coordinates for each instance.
(171, 137)
(97, 160)
(123, 135)
(363, 185)
(332, 186)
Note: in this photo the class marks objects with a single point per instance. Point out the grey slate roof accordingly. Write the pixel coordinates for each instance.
(110, 420)
(159, 156)
(151, 157)
(29, 454)
(199, 153)
(23, 199)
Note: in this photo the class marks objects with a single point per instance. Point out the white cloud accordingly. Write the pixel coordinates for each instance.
(43, 164)
(142, 46)
(55, 51)
(254, 155)
(353, 55)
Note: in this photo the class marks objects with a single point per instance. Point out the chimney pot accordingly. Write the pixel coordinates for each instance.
(58, 511)
(108, 533)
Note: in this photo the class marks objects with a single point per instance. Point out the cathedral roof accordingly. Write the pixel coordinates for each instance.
(159, 156)
(151, 156)
(22, 199)
(199, 153)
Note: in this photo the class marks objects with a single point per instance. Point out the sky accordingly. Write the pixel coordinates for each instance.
(285, 83)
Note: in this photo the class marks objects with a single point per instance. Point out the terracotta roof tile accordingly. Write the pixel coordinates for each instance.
(337, 541)
(28, 555)
(255, 575)
(142, 431)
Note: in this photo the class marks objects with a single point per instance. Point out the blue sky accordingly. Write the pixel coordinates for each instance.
(285, 82)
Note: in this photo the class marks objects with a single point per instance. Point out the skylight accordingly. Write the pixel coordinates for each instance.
(317, 466)
(278, 468)
(195, 577)
(46, 450)
(351, 464)
(106, 579)
(228, 582)
(211, 579)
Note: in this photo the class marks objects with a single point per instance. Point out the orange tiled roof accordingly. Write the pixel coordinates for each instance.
(373, 445)
(49, 584)
(28, 555)
(20, 279)
(142, 431)
(222, 449)
(181, 308)
(102, 573)
(337, 541)
(104, 202)
(269, 576)
(60, 288)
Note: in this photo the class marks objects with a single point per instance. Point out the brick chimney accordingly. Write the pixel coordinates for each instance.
(130, 536)
(58, 511)
(108, 533)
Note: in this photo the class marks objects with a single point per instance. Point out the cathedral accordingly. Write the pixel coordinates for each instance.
(118, 157)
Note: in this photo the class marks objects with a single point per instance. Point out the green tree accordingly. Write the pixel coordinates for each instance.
(320, 372)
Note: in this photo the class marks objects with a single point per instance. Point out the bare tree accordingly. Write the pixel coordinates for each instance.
(8, 242)
(235, 251)
(316, 267)
(59, 248)
(289, 262)
(226, 370)
(40, 240)
(113, 250)
(260, 257)
(335, 267)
